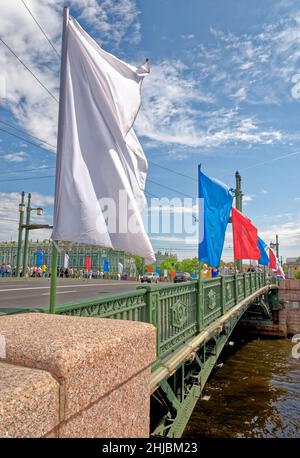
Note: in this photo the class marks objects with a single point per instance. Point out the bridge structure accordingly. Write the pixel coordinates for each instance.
(194, 321)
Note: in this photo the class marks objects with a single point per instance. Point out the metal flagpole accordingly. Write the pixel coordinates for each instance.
(199, 216)
(239, 206)
(21, 218)
(59, 149)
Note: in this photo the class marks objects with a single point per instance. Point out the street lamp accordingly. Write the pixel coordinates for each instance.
(22, 205)
(275, 246)
(39, 212)
(21, 217)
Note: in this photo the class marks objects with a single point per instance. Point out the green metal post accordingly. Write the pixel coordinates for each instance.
(238, 206)
(277, 247)
(19, 247)
(62, 97)
(25, 254)
(53, 279)
(153, 313)
(200, 304)
(223, 294)
(236, 291)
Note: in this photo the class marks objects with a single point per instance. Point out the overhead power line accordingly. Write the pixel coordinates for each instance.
(270, 160)
(170, 189)
(173, 171)
(41, 29)
(27, 178)
(22, 138)
(29, 170)
(27, 68)
(25, 132)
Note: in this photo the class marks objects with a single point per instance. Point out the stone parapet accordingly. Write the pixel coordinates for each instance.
(99, 369)
(29, 402)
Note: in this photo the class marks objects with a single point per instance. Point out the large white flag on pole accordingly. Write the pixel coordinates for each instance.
(101, 167)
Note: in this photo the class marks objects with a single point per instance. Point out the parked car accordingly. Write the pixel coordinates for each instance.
(150, 277)
(182, 276)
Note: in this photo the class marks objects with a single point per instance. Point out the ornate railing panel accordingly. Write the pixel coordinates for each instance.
(178, 311)
(177, 315)
(212, 300)
(126, 306)
(229, 292)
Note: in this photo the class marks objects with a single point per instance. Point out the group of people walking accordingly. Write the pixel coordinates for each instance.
(213, 272)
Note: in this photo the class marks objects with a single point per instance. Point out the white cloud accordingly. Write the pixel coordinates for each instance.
(263, 63)
(297, 199)
(118, 19)
(170, 238)
(247, 199)
(189, 36)
(9, 215)
(240, 94)
(28, 102)
(177, 110)
(16, 157)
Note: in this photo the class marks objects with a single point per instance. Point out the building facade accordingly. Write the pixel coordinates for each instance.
(77, 253)
(293, 264)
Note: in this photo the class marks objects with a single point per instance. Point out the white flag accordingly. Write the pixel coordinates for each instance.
(100, 159)
(66, 261)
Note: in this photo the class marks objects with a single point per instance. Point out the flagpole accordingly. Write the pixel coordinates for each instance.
(199, 216)
(238, 206)
(63, 61)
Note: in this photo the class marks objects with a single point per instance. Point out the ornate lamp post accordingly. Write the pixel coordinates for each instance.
(19, 247)
(275, 246)
(27, 226)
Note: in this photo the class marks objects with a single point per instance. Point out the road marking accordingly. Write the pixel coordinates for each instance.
(66, 286)
(61, 292)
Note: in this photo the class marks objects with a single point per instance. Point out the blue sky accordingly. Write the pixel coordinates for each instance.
(222, 91)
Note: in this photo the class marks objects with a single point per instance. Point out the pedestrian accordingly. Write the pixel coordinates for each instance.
(44, 270)
(2, 270)
(8, 270)
(214, 272)
(205, 272)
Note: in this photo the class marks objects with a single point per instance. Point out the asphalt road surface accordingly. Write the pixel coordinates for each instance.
(35, 292)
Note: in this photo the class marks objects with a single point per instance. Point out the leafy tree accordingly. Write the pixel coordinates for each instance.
(140, 266)
(297, 274)
(169, 264)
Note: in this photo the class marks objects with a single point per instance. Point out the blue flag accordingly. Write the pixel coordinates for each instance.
(39, 258)
(217, 202)
(264, 258)
(105, 265)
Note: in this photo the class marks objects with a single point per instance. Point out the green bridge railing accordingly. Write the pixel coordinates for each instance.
(178, 311)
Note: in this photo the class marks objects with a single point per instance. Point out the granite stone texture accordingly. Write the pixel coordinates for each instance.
(122, 413)
(93, 360)
(29, 402)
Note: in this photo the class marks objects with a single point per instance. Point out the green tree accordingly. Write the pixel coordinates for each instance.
(190, 265)
(169, 264)
(297, 274)
(140, 265)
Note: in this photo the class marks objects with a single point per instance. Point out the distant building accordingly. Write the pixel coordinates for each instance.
(78, 252)
(160, 257)
(293, 264)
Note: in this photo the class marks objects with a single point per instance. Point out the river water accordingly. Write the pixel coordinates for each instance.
(255, 393)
